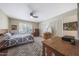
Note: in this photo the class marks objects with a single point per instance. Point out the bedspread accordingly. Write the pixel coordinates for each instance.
(15, 41)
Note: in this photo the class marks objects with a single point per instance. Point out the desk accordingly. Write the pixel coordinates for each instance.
(59, 47)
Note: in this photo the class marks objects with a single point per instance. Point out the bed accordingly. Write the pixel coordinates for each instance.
(14, 40)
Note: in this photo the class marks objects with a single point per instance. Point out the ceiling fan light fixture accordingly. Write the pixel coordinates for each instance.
(32, 14)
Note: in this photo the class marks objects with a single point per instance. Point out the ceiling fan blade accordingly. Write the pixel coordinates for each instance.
(32, 14)
(35, 16)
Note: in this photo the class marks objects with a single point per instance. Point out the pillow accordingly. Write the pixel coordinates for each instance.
(13, 32)
(7, 35)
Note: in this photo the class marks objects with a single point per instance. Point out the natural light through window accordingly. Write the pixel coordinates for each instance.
(25, 28)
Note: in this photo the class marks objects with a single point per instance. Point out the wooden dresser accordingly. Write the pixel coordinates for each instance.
(36, 32)
(56, 46)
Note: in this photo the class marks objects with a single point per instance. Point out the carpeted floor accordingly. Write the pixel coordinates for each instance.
(31, 49)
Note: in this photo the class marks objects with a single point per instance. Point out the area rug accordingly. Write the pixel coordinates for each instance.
(31, 49)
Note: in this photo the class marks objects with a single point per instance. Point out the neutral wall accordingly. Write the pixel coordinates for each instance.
(3, 20)
(57, 23)
(13, 21)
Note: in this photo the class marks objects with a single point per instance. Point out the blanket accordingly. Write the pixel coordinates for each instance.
(16, 40)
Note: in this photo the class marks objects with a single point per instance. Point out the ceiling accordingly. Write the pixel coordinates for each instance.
(44, 11)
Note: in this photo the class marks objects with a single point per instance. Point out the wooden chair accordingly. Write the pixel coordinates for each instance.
(47, 35)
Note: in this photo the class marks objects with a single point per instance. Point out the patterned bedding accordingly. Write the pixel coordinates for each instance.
(16, 40)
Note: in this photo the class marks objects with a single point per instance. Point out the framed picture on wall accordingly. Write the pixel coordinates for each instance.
(13, 27)
(70, 26)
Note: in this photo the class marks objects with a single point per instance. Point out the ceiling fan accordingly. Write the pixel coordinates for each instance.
(33, 14)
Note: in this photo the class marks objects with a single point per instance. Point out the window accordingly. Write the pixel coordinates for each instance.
(25, 28)
(47, 28)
